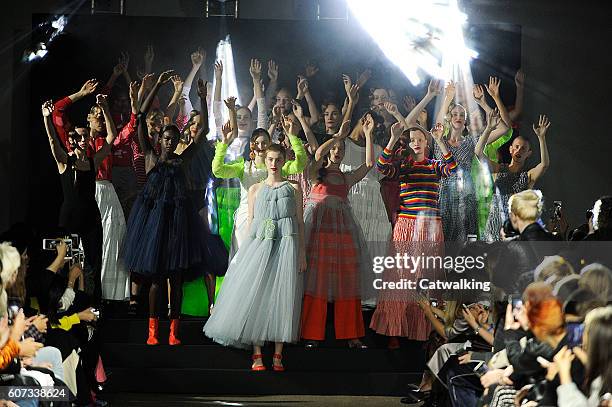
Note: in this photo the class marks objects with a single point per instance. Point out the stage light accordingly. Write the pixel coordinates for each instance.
(229, 85)
(45, 33)
(421, 37)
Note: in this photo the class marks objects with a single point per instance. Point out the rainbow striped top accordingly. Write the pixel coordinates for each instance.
(419, 182)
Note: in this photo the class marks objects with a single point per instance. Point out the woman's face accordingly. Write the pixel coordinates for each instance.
(274, 161)
(457, 117)
(195, 125)
(379, 98)
(336, 154)
(95, 118)
(169, 140)
(154, 123)
(418, 142)
(331, 115)
(244, 118)
(283, 99)
(520, 150)
(80, 137)
(261, 144)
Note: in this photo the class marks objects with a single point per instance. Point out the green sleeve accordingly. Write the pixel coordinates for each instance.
(221, 169)
(491, 149)
(68, 322)
(301, 158)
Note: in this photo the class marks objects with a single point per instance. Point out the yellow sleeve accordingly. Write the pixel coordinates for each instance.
(221, 169)
(301, 158)
(66, 323)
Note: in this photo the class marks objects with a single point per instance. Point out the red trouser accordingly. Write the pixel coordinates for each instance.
(348, 320)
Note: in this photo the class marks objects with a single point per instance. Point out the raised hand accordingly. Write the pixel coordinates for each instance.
(89, 87)
(367, 124)
(202, 89)
(198, 57)
(134, 86)
(277, 113)
(290, 125)
(255, 70)
(493, 86)
(230, 102)
(102, 100)
(272, 71)
(226, 130)
(543, 125)
(519, 78)
(149, 55)
(493, 119)
(47, 108)
(397, 129)
(311, 69)
(147, 81)
(391, 108)
(438, 132)
(297, 109)
(165, 76)
(478, 92)
(434, 88)
(302, 85)
(364, 77)
(177, 82)
(450, 90)
(218, 69)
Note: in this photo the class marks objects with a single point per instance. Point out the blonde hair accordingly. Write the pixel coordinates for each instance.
(597, 278)
(552, 270)
(526, 205)
(10, 260)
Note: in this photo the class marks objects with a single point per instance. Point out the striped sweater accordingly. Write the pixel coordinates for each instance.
(419, 182)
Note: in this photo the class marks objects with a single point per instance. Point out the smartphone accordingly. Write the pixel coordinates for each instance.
(574, 330)
(481, 368)
(433, 302)
(557, 206)
(461, 352)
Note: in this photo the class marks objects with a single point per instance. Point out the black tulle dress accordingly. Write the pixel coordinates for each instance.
(165, 234)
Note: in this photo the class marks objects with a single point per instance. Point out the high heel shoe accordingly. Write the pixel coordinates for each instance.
(260, 367)
(153, 331)
(278, 367)
(356, 344)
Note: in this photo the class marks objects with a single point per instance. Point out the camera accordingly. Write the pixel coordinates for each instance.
(509, 230)
(556, 210)
(74, 248)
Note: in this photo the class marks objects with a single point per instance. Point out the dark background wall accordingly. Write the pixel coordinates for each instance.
(562, 48)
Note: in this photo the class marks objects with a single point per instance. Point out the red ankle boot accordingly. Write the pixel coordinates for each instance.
(174, 327)
(153, 331)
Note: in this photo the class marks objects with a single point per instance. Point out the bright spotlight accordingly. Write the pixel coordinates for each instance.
(419, 36)
(229, 85)
(46, 33)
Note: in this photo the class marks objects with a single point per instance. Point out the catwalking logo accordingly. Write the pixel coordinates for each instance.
(458, 264)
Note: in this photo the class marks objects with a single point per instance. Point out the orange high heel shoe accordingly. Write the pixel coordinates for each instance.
(173, 338)
(257, 368)
(153, 331)
(278, 367)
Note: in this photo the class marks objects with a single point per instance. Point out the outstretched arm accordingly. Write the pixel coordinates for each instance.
(519, 80)
(449, 96)
(493, 90)
(204, 128)
(433, 90)
(357, 175)
(111, 130)
(313, 144)
(273, 84)
(59, 154)
(493, 120)
(539, 170)
(352, 95)
(304, 89)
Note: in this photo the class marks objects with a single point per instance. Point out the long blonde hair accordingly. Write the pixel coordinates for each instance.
(10, 260)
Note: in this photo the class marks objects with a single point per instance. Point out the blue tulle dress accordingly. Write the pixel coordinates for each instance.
(261, 296)
(165, 234)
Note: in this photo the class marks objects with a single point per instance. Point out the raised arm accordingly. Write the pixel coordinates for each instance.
(118, 70)
(304, 90)
(60, 118)
(296, 166)
(273, 84)
(539, 170)
(197, 59)
(326, 147)
(449, 96)
(493, 90)
(493, 120)
(433, 89)
(204, 129)
(519, 80)
(111, 130)
(57, 150)
(178, 83)
(479, 97)
(357, 175)
(313, 144)
(218, 81)
(230, 103)
(352, 95)
(148, 59)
